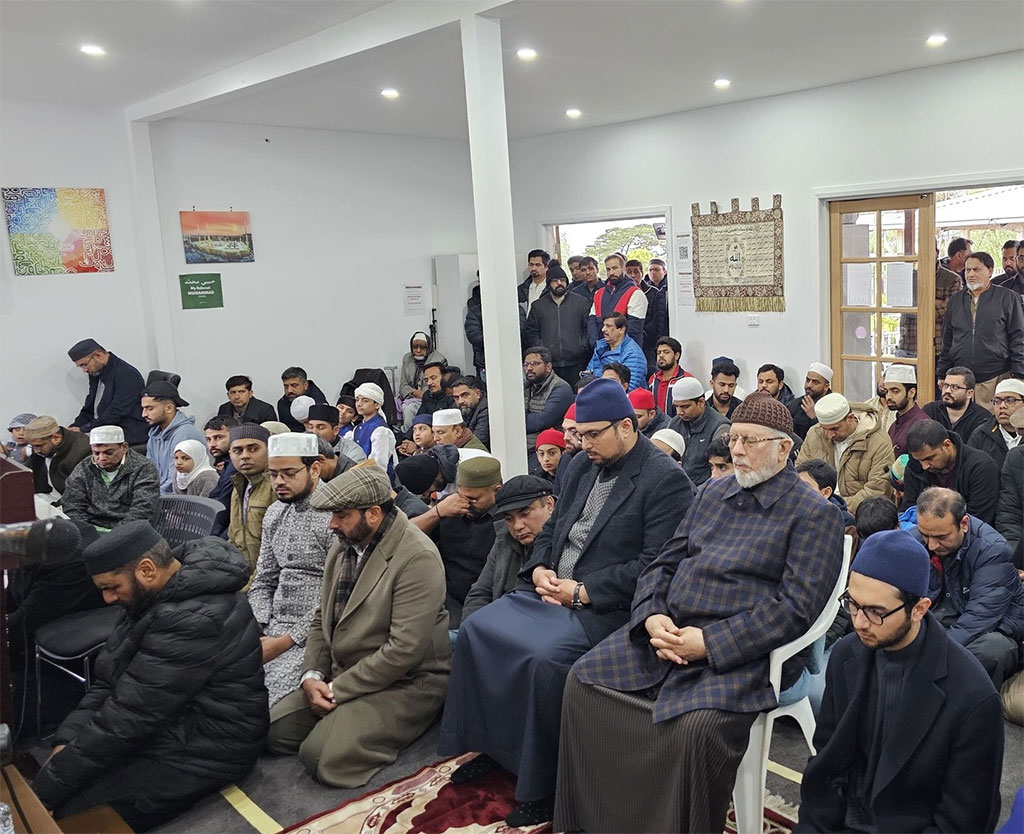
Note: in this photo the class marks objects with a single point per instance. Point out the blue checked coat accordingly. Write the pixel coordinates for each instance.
(752, 569)
(650, 497)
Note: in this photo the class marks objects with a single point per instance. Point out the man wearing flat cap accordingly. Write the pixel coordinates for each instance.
(113, 486)
(910, 731)
(167, 428)
(56, 451)
(115, 388)
(285, 589)
(177, 706)
(378, 653)
(622, 498)
(657, 717)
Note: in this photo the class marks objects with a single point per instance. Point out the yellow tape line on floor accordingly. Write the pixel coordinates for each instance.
(785, 772)
(253, 813)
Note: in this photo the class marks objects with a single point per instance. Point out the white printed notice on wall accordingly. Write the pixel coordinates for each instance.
(414, 299)
(684, 270)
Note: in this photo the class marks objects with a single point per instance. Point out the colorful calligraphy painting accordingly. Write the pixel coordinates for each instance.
(56, 231)
(216, 237)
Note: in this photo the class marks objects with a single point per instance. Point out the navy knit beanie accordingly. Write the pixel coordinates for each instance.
(895, 557)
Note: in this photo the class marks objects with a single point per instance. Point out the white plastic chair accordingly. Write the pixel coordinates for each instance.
(748, 794)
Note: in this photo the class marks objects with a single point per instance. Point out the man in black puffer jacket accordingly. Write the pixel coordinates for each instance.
(177, 708)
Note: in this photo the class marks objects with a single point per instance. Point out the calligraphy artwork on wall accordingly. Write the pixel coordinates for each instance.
(58, 231)
(737, 258)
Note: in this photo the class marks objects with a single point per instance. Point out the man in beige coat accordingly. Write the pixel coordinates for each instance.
(378, 653)
(852, 438)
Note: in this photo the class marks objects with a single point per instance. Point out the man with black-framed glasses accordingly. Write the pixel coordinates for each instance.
(998, 436)
(910, 730)
(956, 410)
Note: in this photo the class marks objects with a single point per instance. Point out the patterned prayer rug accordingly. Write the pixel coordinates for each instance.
(428, 803)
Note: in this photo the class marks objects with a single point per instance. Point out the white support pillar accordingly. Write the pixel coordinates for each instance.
(492, 198)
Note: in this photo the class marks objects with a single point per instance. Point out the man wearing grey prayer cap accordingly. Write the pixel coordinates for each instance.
(377, 657)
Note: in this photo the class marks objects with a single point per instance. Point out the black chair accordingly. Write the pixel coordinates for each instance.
(76, 638)
(378, 376)
(182, 518)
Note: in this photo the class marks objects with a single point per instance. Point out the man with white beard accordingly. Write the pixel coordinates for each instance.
(765, 552)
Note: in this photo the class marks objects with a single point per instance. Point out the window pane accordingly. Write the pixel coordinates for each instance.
(899, 284)
(859, 235)
(859, 285)
(896, 334)
(859, 333)
(859, 380)
(899, 232)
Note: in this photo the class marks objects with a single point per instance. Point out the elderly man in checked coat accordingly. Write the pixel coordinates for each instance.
(656, 718)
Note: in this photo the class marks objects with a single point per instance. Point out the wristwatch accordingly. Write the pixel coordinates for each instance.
(576, 603)
(312, 673)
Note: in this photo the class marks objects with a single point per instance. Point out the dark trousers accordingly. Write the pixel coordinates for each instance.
(144, 792)
(997, 653)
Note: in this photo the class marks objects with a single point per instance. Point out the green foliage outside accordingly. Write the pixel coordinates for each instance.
(638, 242)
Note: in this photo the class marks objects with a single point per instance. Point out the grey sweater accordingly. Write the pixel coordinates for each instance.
(132, 495)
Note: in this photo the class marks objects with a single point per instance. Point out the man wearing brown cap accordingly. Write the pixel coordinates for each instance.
(56, 452)
(749, 569)
(114, 391)
(378, 653)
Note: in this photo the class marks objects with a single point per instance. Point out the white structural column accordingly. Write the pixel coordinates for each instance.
(492, 198)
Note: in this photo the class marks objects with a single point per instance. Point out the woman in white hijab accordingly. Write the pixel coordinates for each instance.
(193, 473)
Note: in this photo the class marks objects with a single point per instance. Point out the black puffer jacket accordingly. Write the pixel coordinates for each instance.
(182, 685)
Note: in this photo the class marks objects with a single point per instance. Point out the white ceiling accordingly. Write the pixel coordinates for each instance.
(617, 60)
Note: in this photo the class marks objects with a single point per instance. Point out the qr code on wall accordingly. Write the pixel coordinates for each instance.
(684, 252)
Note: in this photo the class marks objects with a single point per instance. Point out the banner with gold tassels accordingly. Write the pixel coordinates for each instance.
(737, 258)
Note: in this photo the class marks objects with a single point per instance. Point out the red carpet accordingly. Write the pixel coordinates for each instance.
(428, 803)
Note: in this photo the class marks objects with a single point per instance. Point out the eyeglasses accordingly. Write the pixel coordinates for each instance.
(748, 441)
(287, 474)
(875, 616)
(533, 364)
(945, 386)
(594, 434)
(998, 401)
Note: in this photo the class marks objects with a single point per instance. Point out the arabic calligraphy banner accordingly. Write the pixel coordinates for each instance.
(737, 258)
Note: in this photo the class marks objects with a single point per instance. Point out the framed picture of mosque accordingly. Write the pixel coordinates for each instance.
(216, 237)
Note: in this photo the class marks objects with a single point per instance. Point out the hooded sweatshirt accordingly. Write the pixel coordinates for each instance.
(161, 443)
(412, 369)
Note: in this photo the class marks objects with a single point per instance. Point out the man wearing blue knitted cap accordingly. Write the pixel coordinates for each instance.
(624, 498)
(910, 732)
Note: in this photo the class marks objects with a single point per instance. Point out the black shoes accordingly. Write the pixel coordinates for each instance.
(531, 813)
(473, 769)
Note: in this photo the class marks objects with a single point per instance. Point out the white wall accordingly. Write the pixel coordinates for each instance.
(910, 126)
(44, 145)
(340, 222)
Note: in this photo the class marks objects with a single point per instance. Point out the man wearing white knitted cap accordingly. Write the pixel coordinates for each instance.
(114, 485)
(449, 427)
(698, 424)
(900, 383)
(850, 437)
(373, 435)
(998, 435)
(285, 589)
(817, 383)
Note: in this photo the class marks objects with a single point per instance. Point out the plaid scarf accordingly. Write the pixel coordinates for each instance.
(351, 567)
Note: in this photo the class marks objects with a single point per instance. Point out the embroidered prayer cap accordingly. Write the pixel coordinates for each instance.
(417, 473)
(897, 558)
(275, 427)
(551, 437)
(671, 438)
(248, 431)
(293, 444)
(447, 417)
(762, 409)
(300, 408)
(125, 543)
(903, 374)
(481, 471)
(371, 391)
(19, 421)
(79, 350)
(687, 388)
(830, 409)
(42, 426)
(603, 399)
(822, 370)
(520, 492)
(161, 389)
(356, 489)
(106, 434)
(1011, 386)
(642, 399)
(423, 420)
(321, 411)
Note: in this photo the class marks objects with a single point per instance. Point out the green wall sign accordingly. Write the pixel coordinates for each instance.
(201, 290)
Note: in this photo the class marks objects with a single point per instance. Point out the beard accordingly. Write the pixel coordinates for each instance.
(749, 480)
(297, 496)
(558, 291)
(360, 533)
(891, 640)
(142, 600)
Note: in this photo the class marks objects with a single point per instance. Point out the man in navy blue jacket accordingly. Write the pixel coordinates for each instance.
(115, 389)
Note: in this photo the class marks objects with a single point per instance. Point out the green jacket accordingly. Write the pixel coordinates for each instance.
(247, 534)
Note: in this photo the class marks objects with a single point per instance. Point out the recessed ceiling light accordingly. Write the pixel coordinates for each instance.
(526, 54)
(936, 40)
(573, 112)
(92, 49)
(389, 92)
(722, 83)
